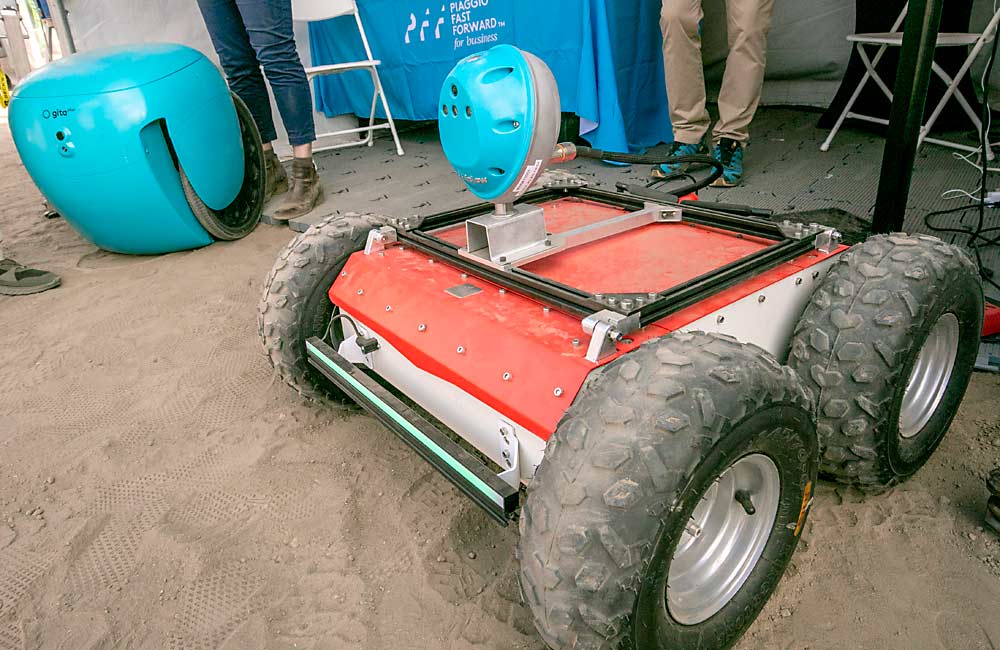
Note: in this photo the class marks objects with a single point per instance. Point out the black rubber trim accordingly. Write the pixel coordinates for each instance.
(509, 495)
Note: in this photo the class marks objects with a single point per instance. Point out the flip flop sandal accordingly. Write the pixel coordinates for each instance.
(18, 280)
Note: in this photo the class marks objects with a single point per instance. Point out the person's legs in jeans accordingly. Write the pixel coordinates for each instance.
(239, 62)
(269, 27)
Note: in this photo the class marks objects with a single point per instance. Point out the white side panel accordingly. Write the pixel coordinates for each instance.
(767, 317)
(476, 422)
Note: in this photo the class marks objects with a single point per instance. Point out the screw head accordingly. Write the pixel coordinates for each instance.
(576, 342)
(503, 291)
(761, 298)
(720, 319)
(388, 307)
(506, 376)
(815, 274)
(343, 274)
(465, 276)
(651, 295)
(460, 349)
(798, 281)
(516, 124)
(546, 310)
(558, 392)
(421, 327)
(361, 291)
(430, 260)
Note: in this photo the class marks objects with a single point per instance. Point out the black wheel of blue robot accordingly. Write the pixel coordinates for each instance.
(296, 303)
(670, 498)
(239, 218)
(887, 345)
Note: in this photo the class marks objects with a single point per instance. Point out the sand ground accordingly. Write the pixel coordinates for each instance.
(160, 489)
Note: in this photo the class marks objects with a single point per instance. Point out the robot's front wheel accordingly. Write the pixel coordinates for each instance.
(670, 498)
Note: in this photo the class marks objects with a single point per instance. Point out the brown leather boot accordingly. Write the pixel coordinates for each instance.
(275, 178)
(306, 191)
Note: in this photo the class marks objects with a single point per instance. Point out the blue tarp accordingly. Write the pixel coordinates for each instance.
(604, 54)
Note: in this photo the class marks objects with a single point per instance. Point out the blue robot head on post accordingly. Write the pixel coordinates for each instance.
(499, 121)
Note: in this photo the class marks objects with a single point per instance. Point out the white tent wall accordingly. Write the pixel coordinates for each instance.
(102, 23)
(807, 50)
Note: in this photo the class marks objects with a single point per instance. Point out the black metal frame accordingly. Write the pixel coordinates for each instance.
(582, 303)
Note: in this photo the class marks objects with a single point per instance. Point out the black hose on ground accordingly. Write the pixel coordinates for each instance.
(647, 159)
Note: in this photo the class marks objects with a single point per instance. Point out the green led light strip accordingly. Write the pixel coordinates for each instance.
(412, 430)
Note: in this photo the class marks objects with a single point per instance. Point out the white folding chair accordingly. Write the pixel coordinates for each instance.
(315, 10)
(894, 38)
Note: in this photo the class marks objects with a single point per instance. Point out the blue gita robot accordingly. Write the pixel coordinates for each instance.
(143, 149)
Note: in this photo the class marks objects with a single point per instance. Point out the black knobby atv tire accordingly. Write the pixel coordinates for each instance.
(296, 304)
(644, 439)
(241, 216)
(858, 340)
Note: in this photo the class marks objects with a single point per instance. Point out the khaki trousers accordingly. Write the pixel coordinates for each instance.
(748, 23)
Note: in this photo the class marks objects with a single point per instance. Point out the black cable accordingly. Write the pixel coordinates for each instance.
(652, 159)
(334, 319)
(976, 234)
(656, 182)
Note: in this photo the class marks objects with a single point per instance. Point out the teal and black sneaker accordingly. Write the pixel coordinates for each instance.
(730, 153)
(679, 149)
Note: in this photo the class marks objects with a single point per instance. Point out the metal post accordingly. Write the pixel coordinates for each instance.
(61, 22)
(907, 116)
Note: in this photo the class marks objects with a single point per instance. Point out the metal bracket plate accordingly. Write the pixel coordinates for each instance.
(509, 453)
(463, 290)
(606, 328)
(827, 241)
(379, 238)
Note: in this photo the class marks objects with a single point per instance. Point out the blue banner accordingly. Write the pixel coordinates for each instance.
(605, 57)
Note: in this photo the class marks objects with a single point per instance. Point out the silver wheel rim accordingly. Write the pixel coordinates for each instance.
(930, 376)
(721, 543)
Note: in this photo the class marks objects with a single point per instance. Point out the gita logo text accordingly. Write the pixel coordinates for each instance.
(56, 112)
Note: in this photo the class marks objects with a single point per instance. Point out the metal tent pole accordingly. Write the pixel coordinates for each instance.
(66, 44)
(907, 116)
